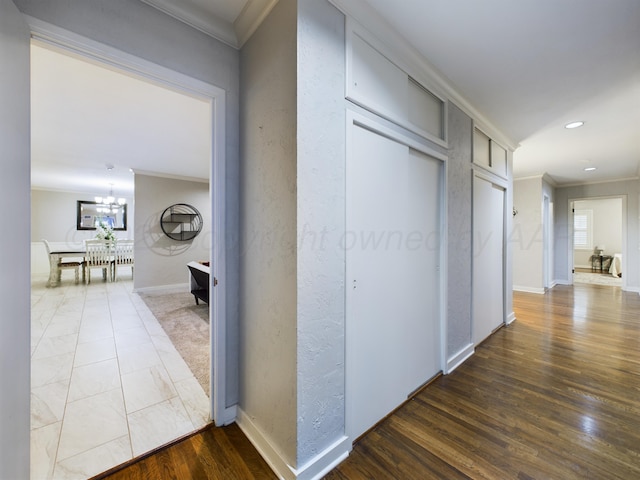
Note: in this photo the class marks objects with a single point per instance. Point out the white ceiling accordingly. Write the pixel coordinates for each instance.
(86, 116)
(529, 66)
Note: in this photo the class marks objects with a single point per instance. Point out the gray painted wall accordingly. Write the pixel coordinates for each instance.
(160, 260)
(15, 287)
(526, 237)
(268, 266)
(628, 188)
(459, 195)
(321, 223)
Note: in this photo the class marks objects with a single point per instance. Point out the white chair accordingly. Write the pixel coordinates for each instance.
(123, 255)
(99, 254)
(58, 264)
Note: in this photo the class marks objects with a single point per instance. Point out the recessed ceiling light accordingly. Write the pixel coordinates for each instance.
(574, 125)
(589, 169)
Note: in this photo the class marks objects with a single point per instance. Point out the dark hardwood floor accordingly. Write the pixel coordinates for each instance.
(556, 395)
(222, 453)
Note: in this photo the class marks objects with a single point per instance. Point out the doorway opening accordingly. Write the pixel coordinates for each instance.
(64, 400)
(598, 240)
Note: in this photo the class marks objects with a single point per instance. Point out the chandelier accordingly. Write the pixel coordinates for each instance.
(109, 204)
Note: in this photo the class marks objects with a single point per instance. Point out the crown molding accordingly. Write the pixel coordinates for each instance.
(250, 18)
(598, 182)
(405, 54)
(234, 35)
(170, 176)
(197, 18)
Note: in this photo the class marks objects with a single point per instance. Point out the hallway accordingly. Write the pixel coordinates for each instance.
(553, 395)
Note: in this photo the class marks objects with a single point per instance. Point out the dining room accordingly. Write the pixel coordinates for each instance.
(107, 381)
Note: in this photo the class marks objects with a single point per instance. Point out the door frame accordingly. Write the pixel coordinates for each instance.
(504, 185)
(547, 236)
(570, 212)
(354, 119)
(109, 56)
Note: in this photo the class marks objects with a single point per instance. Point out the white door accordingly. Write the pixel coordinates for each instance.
(488, 258)
(15, 191)
(393, 286)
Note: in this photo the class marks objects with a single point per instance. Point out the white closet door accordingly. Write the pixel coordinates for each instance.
(393, 252)
(488, 258)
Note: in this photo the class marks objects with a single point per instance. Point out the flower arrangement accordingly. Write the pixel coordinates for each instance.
(105, 232)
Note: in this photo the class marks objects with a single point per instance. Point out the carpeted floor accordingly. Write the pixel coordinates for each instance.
(597, 278)
(187, 325)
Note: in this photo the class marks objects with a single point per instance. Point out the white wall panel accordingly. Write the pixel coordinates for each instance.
(488, 257)
(376, 83)
(393, 241)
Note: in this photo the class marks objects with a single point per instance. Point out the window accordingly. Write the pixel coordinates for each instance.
(583, 229)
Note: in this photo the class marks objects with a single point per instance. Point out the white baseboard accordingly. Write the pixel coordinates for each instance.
(511, 318)
(314, 469)
(459, 358)
(537, 290)
(563, 282)
(177, 288)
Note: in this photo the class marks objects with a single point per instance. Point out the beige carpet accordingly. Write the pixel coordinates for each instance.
(597, 279)
(187, 325)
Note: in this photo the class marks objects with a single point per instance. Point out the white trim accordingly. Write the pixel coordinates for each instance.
(198, 18)
(511, 318)
(252, 15)
(106, 55)
(234, 34)
(372, 125)
(222, 413)
(413, 62)
(625, 247)
(170, 175)
(490, 176)
(597, 182)
(459, 358)
(518, 288)
(316, 468)
(444, 266)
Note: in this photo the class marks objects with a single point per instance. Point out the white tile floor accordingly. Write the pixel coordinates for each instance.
(106, 382)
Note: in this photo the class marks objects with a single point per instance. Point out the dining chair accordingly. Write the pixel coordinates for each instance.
(61, 264)
(123, 255)
(99, 254)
